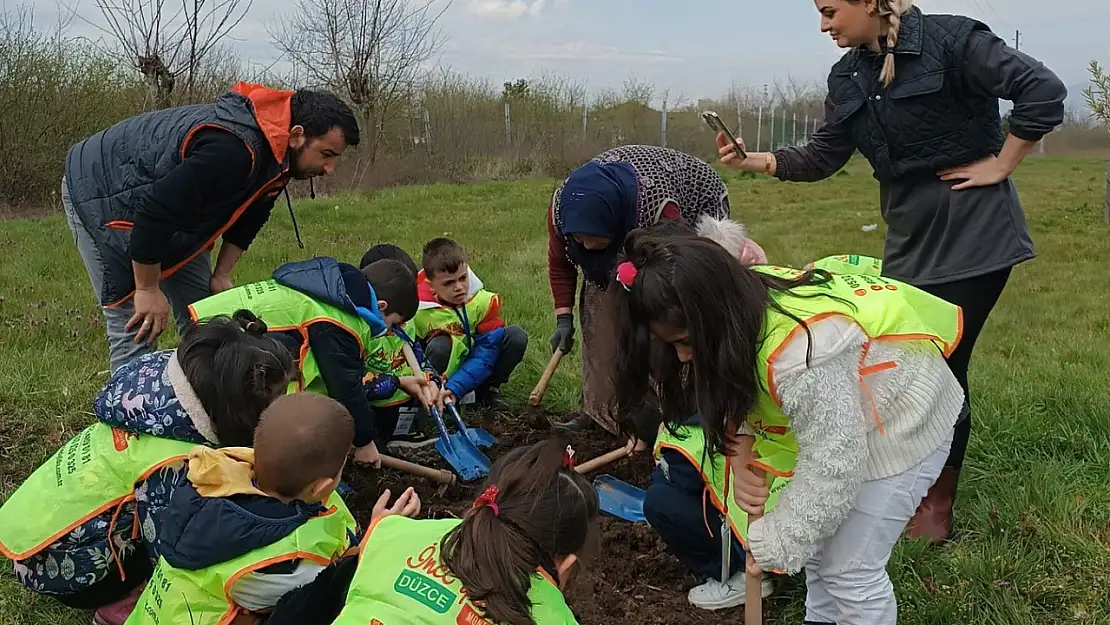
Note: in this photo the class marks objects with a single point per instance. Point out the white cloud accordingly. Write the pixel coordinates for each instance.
(507, 9)
(588, 51)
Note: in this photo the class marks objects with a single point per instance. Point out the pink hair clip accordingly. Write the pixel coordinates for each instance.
(626, 274)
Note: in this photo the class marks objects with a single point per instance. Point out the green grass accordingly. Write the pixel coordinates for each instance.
(1034, 506)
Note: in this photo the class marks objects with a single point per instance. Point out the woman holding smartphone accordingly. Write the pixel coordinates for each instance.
(918, 96)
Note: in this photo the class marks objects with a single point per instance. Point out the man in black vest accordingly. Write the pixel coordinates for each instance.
(147, 198)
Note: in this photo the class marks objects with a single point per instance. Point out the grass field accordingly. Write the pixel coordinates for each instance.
(1034, 505)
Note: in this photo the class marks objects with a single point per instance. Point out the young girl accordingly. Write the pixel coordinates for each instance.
(506, 561)
(83, 526)
(842, 382)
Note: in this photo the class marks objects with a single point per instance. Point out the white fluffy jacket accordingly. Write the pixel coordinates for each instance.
(841, 443)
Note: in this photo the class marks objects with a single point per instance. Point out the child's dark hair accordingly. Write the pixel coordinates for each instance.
(394, 283)
(301, 438)
(692, 283)
(235, 371)
(442, 255)
(388, 251)
(541, 510)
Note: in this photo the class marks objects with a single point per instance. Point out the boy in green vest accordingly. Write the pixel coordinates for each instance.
(394, 392)
(460, 323)
(247, 526)
(327, 313)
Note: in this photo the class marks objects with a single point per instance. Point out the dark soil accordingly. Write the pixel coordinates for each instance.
(634, 581)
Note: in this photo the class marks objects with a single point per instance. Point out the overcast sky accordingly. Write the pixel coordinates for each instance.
(693, 48)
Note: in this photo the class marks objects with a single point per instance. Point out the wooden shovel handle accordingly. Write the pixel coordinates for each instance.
(753, 584)
(600, 461)
(436, 475)
(541, 386)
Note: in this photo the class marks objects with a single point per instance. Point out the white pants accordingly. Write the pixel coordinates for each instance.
(846, 580)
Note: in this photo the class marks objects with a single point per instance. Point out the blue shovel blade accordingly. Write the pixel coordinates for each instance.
(620, 499)
(466, 459)
(481, 437)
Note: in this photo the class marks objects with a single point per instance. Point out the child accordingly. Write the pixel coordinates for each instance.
(246, 526)
(92, 547)
(460, 323)
(507, 561)
(395, 393)
(327, 312)
(842, 380)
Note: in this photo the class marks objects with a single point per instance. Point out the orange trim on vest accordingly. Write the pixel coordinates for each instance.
(233, 610)
(189, 137)
(212, 240)
(117, 502)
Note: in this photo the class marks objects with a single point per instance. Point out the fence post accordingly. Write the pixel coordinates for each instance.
(663, 125)
(427, 129)
(785, 137)
(585, 117)
(794, 129)
(771, 148)
(805, 129)
(739, 121)
(508, 126)
(759, 130)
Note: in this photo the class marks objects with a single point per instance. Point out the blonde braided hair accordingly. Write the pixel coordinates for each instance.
(890, 12)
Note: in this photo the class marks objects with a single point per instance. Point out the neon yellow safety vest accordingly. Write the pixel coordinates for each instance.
(401, 580)
(461, 324)
(850, 263)
(884, 309)
(689, 440)
(284, 309)
(202, 597)
(385, 356)
(94, 472)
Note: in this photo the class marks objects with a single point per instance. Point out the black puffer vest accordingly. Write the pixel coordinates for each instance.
(112, 173)
(925, 120)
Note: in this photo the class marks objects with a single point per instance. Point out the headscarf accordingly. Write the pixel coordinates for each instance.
(597, 199)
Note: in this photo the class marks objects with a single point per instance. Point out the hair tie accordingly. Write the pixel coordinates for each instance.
(626, 274)
(488, 498)
(568, 458)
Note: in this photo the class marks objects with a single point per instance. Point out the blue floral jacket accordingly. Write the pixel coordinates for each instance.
(138, 398)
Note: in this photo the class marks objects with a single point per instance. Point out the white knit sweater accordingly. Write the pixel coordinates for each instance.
(841, 444)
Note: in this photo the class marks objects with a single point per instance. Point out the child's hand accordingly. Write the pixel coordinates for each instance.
(749, 489)
(445, 397)
(407, 505)
(416, 387)
(368, 454)
(751, 565)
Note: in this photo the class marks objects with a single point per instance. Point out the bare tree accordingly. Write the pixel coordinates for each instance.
(370, 51)
(165, 42)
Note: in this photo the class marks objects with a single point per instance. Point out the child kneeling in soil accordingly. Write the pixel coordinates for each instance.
(460, 324)
(248, 525)
(327, 312)
(94, 545)
(395, 393)
(841, 380)
(506, 561)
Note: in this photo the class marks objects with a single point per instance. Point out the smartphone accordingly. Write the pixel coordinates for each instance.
(715, 122)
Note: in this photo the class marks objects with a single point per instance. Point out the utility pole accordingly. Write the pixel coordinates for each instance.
(1017, 39)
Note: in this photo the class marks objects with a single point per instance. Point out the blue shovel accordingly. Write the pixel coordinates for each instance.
(617, 498)
(478, 436)
(459, 451)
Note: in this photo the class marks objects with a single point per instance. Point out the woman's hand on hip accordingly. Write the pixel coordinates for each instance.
(984, 172)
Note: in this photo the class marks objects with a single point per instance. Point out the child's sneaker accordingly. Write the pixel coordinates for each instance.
(713, 595)
(118, 612)
(412, 440)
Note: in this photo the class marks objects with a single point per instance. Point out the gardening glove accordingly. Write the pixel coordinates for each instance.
(563, 337)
